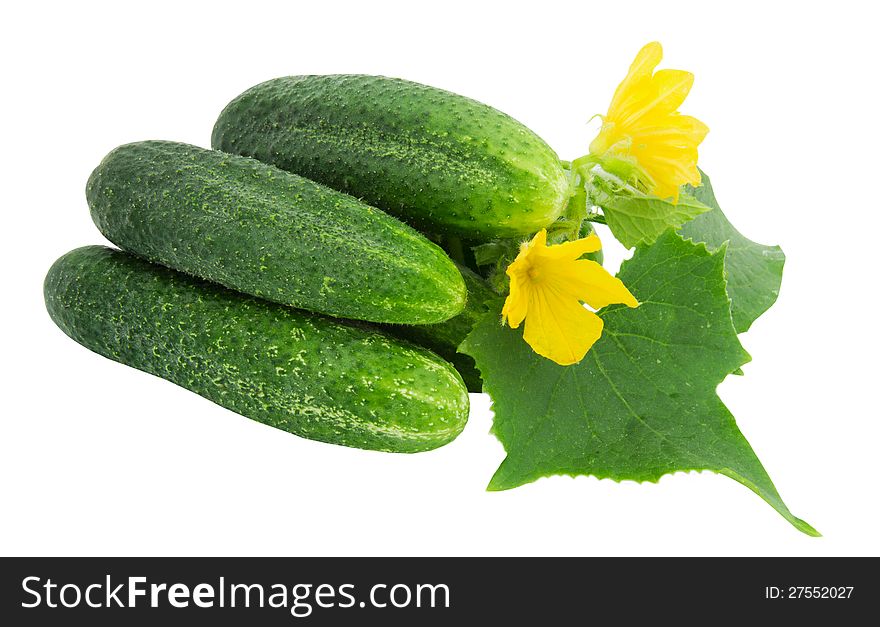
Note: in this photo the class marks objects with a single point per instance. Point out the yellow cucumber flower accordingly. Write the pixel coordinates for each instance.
(547, 286)
(643, 124)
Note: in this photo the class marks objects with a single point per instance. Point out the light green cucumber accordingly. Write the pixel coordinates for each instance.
(442, 162)
(310, 375)
(266, 232)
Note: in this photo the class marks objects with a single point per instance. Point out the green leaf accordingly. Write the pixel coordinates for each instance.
(754, 271)
(642, 403)
(495, 250)
(636, 218)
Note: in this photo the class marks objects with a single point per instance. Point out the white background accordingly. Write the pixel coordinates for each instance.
(96, 458)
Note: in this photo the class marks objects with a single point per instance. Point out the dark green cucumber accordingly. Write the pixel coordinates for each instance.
(444, 338)
(310, 375)
(440, 161)
(257, 229)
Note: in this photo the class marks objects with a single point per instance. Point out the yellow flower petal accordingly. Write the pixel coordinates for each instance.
(602, 289)
(642, 67)
(659, 99)
(678, 130)
(560, 329)
(548, 285)
(643, 123)
(589, 282)
(516, 306)
(576, 249)
(538, 241)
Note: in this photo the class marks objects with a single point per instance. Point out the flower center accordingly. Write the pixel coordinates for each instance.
(535, 275)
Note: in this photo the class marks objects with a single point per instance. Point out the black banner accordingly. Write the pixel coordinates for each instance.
(428, 591)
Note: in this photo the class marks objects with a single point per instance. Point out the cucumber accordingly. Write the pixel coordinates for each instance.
(444, 338)
(440, 161)
(313, 376)
(269, 233)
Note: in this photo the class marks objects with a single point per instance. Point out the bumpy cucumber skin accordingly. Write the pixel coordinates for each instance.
(444, 338)
(310, 375)
(440, 161)
(266, 232)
